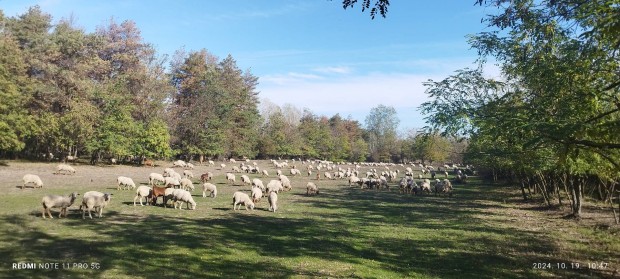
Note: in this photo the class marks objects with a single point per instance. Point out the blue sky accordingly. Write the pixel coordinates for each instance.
(310, 53)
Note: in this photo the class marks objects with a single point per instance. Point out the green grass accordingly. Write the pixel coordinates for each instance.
(483, 231)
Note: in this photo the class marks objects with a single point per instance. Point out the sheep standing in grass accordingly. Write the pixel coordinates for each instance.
(265, 173)
(142, 192)
(154, 178)
(353, 179)
(64, 169)
(94, 200)
(258, 184)
(34, 179)
(187, 184)
(189, 166)
(327, 175)
(273, 201)
(125, 182)
(55, 201)
(245, 179)
(172, 182)
(222, 166)
(240, 198)
(257, 194)
(286, 183)
(274, 186)
(183, 196)
(188, 174)
(231, 178)
(444, 187)
(311, 189)
(208, 187)
(425, 186)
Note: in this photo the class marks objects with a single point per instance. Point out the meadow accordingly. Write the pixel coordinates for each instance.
(482, 231)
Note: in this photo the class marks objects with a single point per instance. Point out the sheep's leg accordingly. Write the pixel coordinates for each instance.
(134, 200)
(49, 213)
(43, 211)
(100, 211)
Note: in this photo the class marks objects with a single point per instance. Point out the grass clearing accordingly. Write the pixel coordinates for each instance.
(483, 231)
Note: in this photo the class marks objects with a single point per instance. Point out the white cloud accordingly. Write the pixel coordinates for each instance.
(334, 70)
(353, 96)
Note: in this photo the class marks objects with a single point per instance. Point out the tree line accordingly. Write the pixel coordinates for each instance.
(108, 94)
(551, 122)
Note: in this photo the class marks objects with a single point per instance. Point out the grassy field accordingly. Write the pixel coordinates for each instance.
(483, 231)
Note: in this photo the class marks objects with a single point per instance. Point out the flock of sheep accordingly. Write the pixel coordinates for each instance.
(176, 187)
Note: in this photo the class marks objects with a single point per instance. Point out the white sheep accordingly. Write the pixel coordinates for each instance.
(240, 198)
(295, 172)
(211, 163)
(142, 192)
(189, 166)
(208, 187)
(181, 196)
(65, 169)
(188, 174)
(94, 200)
(278, 172)
(231, 177)
(311, 188)
(286, 183)
(444, 187)
(265, 173)
(353, 179)
(55, 201)
(187, 184)
(34, 179)
(327, 175)
(258, 184)
(125, 182)
(168, 181)
(222, 166)
(232, 160)
(273, 201)
(179, 163)
(245, 179)
(156, 177)
(274, 186)
(257, 194)
(168, 172)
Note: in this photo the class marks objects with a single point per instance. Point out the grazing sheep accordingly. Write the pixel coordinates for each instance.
(94, 200)
(257, 194)
(179, 163)
(295, 172)
(187, 184)
(286, 183)
(125, 182)
(222, 166)
(208, 187)
(149, 163)
(189, 166)
(171, 181)
(55, 201)
(274, 186)
(273, 201)
(181, 196)
(353, 179)
(231, 177)
(327, 175)
(311, 188)
(265, 173)
(188, 174)
(240, 198)
(245, 179)
(444, 187)
(156, 177)
(232, 160)
(211, 163)
(65, 169)
(258, 184)
(278, 172)
(425, 186)
(34, 179)
(142, 192)
(168, 172)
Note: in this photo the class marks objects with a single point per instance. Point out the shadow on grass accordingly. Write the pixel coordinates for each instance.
(407, 235)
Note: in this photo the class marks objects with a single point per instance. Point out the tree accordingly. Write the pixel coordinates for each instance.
(379, 7)
(381, 125)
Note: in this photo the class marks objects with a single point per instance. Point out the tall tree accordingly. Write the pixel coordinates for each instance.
(381, 124)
